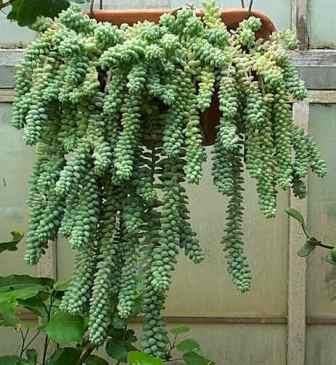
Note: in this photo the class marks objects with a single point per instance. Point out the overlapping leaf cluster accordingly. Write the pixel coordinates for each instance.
(115, 114)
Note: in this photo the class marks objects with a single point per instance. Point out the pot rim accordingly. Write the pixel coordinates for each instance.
(231, 17)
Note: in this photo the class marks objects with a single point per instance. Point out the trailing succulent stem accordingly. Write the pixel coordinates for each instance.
(115, 115)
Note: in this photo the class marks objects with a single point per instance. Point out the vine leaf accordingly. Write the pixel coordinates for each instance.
(25, 12)
(95, 360)
(19, 288)
(21, 291)
(117, 350)
(62, 285)
(330, 259)
(10, 360)
(11, 245)
(8, 312)
(13, 282)
(64, 328)
(192, 358)
(64, 356)
(180, 330)
(120, 344)
(296, 215)
(140, 358)
(306, 249)
(188, 345)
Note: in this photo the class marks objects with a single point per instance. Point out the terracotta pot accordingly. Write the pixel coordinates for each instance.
(231, 17)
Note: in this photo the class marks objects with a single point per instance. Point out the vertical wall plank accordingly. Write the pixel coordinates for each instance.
(300, 21)
(297, 268)
(47, 267)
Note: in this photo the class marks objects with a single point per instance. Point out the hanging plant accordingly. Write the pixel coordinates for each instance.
(115, 114)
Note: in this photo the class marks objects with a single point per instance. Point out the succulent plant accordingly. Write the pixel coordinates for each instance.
(115, 115)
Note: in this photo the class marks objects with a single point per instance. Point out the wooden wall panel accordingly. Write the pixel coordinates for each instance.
(297, 266)
(322, 25)
(206, 288)
(15, 161)
(243, 344)
(321, 345)
(12, 35)
(9, 342)
(322, 214)
(226, 345)
(239, 344)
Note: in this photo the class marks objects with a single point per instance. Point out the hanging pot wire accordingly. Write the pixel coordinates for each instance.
(92, 3)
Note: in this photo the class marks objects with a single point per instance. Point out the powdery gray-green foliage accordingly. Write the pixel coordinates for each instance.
(115, 115)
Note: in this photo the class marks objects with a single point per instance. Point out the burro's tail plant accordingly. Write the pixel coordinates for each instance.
(114, 113)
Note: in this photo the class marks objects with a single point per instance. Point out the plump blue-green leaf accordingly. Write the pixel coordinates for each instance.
(137, 308)
(95, 360)
(192, 358)
(25, 12)
(306, 249)
(64, 328)
(188, 345)
(140, 358)
(11, 245)
(180, 330)
(64, 356)
(295, 214)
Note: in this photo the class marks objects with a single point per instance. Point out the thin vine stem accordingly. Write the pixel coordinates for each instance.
(242, 3)
(23, 341)
(32, 340)
(329, 247)
(304, 229)
(46, 340)
(250, 7)
(92, 2)
(88, 349)
(173, 360)
(91, 6)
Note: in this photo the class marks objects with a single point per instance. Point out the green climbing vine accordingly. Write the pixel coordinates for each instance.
(115, 115)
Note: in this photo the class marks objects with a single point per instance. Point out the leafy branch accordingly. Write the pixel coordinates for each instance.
(311, 242)
(26, 12)
(12, 244)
